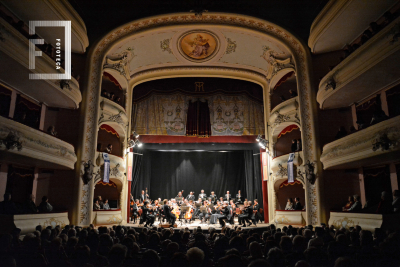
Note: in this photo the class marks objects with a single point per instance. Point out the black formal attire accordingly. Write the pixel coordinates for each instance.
(294, 147)
(190, 197)
(238, 198)
(227, 197)
(254, 216)
(8, 207)
(147, 217)
(134, 210)
(298, 206)
(30, 207)
(213, 198)
(225, 213)
(168, 214)
(244, 217)
(143, 198)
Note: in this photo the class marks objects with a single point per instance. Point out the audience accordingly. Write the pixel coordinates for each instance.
(289, 204)
(231, 247)
(45, 206)
(111, 96)
(356, 207)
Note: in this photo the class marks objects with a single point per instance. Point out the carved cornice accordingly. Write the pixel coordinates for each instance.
(280, 118)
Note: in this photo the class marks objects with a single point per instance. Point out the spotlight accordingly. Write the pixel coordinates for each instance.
(136, 135)
(258, 138)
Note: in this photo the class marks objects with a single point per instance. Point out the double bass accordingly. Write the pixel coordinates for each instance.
(189, 214)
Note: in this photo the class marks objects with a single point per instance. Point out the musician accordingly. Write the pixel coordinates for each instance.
(168, 214)
(226, 214)
(213, 197)
(202, 195)
(254, 216)
(143, 196)
(196, 208)
(147, 217)
(227, 196)
(156, 210)
(238, 197)
(246, 214)
(205, 215)
(134, 209)
(190, 197)
(232, 207)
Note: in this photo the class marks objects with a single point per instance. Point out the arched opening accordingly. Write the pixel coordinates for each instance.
(107, 135)
(289, 190)
(109, 191)
(112, 90)
(286, 143)
(284, 89)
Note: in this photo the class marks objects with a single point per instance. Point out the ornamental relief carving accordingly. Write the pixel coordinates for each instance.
(391, 134)
(280, 118)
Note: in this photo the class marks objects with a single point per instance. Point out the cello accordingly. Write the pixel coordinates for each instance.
(189, 213)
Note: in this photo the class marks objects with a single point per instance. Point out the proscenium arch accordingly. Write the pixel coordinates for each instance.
(96, 59)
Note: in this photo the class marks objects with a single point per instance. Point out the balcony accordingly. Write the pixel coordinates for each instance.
(290, 217)
(330, 30)
(117, 165)
(105, 217)
(52, 10)
(114, 115)
(279, 164)
(14, 71)
(369, 69)
(28, 222)
(284, 113)
(38, 148)
(357, 149)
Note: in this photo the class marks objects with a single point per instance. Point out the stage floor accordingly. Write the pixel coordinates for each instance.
(196, 223)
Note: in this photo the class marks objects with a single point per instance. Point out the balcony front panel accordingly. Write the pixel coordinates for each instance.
(279, 164)
(290, 217)
(28, 222)
(53, 10)
(330, 30)
(38, 148)
(14, 71)
(105, 217)
(117, 165)
(376, 145)
(114, 115)
(372, 67)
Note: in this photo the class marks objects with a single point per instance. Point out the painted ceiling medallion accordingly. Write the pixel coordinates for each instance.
(198, 45)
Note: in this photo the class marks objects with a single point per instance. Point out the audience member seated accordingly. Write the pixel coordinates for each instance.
(356, 207)
(106, 206)
(378, 116)
(299, 146)
(100, 199)
(289, 204)
(7, 206)
(396, 201)
(297, 205)
(350, 202)
(30, 206)
(96, 205)
(125, 246)
(341, 133)
(385, 206)
(52, 130)
(45, 206)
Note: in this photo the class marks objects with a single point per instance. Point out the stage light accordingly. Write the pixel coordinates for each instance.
(258, 138)
(139, 144)
(136, 135)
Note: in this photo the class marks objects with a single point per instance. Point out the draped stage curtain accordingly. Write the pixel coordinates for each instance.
(137, 184)
(198, 119)
(167, 173)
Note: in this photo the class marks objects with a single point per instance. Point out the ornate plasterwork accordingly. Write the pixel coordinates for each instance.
(280, 118)
(394, 33)
(120, 62)
(115, 172)
(282, 171)
(164, 44)
(275, 64)
(345, 222)
(53, 222)
(117, 118)
(301, 58)
(231, 46)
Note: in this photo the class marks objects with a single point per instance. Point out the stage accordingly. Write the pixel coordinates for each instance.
(204, 226)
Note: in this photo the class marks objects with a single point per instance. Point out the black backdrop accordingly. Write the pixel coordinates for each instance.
(164, 172)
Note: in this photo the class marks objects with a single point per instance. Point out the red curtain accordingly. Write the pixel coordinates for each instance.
(109, 129)
(198, 119)
(111, 78)
(284, 78)
(288, 129)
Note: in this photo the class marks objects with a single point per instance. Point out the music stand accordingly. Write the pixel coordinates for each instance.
(178, 199)
(184, 209)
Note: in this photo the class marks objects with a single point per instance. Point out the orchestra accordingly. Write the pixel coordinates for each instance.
(206, 208)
